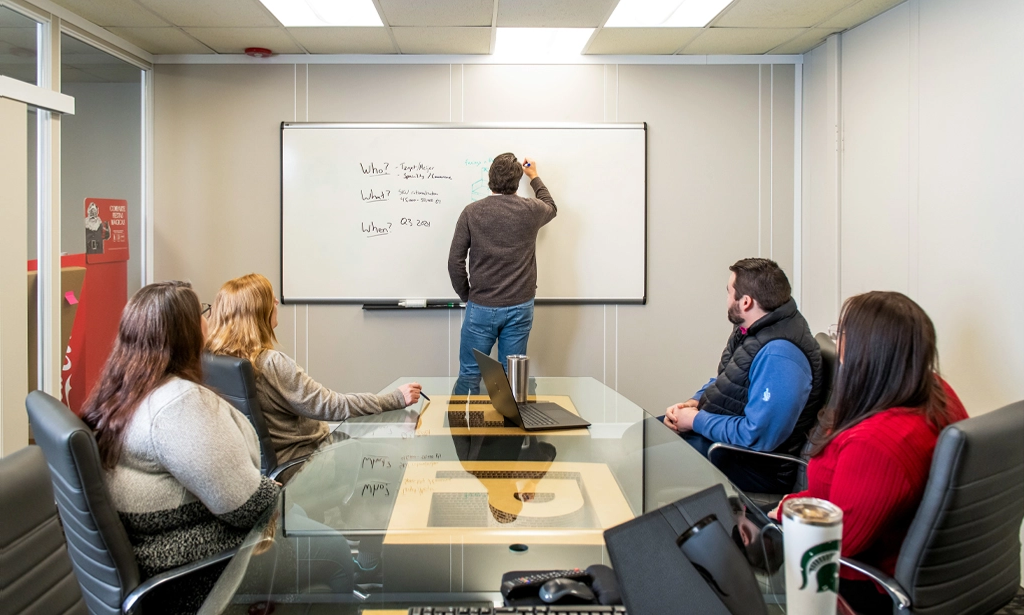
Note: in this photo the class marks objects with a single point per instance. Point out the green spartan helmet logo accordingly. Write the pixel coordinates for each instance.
(822, 561)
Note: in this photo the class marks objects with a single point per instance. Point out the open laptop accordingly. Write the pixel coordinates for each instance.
(531, 417)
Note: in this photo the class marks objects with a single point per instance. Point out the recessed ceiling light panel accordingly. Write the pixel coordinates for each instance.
(665, 13)
(313, 13)
(540, 43)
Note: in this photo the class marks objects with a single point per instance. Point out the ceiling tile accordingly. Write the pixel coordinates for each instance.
(343, 40)
(655, 41)
(779, 13)
(161, 40)
(83, 52)
(19, 71)
(811, 38)
(20, 38)
(235, 40)
(70, 74)
(101, 74)
(113, 13)
(207, 14)
(443, 40)
(423, 13)
(859, 13)
(12, 19)
(739, 41)
(548, 14)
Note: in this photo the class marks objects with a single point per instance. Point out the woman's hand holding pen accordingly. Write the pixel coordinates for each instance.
(411, 392)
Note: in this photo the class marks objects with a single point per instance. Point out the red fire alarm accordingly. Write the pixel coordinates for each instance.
(258, 52)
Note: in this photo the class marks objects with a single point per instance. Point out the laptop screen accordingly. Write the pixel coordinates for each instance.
(497, 386)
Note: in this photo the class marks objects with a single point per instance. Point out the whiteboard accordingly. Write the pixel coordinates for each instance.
(368, 211)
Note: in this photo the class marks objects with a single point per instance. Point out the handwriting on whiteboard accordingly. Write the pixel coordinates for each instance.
(379, 193)
(372, 168)
(370, 196)
(373, 229)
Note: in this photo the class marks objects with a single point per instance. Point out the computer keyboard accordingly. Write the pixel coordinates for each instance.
(534, 416)
(457, 418)
(578, 609)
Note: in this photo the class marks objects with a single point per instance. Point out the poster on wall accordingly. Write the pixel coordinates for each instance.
(106, 230)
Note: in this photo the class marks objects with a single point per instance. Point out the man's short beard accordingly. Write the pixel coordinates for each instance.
(733, 314)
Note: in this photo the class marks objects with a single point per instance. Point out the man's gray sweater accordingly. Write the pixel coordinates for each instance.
(498, 234)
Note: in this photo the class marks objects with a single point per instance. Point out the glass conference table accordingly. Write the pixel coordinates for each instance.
(432, 504)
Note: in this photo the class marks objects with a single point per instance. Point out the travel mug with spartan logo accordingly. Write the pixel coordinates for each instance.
(813, 530)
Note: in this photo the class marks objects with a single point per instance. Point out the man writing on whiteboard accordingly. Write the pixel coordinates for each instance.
(498, 237)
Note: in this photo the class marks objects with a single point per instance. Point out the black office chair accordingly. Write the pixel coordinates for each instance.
(829, 366)
(35, 571)
(97, 542)
(962, 553)
(234, 380)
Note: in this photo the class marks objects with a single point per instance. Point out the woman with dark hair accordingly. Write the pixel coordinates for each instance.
(182, 465)
(879, 430)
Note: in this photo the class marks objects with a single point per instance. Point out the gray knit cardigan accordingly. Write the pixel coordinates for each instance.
(187, 484)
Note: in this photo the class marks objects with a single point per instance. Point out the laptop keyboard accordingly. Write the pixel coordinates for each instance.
(578, 609)
(533, 416)
(457, 418)
(462, 402)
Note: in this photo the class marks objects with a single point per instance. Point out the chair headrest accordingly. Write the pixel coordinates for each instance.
(234, 379)
(229, 376)
(962, 551)
(98, 544)
(828, 353)
(25, 485)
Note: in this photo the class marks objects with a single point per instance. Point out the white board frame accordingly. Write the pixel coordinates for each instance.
(375, 302)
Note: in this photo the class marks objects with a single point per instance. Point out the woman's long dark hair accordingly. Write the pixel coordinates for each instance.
(889, 359)
(160, 336)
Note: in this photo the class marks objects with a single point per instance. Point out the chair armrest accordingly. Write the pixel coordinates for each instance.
(131, 601)
(284, 466)
(889, 584)
(742, 449)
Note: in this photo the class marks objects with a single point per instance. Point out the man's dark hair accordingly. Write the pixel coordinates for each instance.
(763, 281)
(504, 175)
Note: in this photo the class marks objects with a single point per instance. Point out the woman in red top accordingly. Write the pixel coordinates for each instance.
(887, 408)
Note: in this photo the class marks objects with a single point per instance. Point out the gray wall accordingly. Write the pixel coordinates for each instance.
(927, 197)
(924, 191)
(720, 177)
(101, 157)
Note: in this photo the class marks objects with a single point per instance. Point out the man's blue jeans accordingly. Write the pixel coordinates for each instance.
(481, 327)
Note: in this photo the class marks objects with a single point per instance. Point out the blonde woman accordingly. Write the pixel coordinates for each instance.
(294, 405)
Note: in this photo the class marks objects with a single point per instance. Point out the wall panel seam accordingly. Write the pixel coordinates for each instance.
(914, 151)
(798, 114)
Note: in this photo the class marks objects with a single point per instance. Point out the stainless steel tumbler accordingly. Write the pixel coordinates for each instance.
(519, 376)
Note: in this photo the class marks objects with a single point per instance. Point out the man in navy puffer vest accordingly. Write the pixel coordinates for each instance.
(769, 385)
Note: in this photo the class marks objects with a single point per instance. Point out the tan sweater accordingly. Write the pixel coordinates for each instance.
(295, 406)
